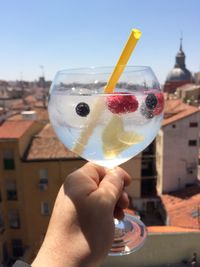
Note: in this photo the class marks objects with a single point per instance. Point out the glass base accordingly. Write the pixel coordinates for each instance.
(130, 235)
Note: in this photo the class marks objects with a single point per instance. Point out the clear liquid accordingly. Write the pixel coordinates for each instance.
(114, 139)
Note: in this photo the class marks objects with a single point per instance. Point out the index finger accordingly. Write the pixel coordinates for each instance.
(113, 183)
(85, 180)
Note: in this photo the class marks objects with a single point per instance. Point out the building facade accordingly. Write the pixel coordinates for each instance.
(33, 165)
(177, 146)
(14, 138)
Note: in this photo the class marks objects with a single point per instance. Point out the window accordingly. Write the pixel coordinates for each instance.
(43, 182)
(11, 190)
(17, 248)
(148, 187)
(14, 220)
(8, 160)
(45, 210)
(193, 124)
(192, 142)
(5, 252)
(150, 149)
(2, 226)
(148, 168)
(43, 174)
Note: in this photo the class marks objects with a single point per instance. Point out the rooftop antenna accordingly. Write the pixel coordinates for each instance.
(22, 87)
(42, 79)
(21, 76)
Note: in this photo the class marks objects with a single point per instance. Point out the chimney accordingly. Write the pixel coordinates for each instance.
(29, 115)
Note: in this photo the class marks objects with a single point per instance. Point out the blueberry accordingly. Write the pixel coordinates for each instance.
(148, 114)
(151, 101)
(82, 109)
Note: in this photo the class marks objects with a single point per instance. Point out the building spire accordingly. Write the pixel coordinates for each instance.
(180, 56)
(181, 41)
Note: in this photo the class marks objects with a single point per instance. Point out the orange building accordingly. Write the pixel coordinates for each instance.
(33, 164)
(14, 139)
(32, 168)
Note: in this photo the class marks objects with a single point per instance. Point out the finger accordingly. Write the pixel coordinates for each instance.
(118, 213)
(84, 181)
(127, 177)
(123, 201)
(112, 185)
(95, 172)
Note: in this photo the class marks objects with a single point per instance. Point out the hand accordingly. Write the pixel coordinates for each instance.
(81, 229)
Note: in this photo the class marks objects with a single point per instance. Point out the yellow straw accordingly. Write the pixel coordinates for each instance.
(83, 139)
(123, 59)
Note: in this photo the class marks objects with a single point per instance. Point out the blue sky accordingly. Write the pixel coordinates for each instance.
(68, 34)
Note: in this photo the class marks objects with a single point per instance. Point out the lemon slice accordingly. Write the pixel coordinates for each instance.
(115, 139)
(130, 138)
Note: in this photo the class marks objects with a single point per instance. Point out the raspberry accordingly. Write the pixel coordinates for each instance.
(120, 103)
(82, 109)
(160, 105)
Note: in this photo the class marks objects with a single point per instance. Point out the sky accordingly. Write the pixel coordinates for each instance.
(61, 34)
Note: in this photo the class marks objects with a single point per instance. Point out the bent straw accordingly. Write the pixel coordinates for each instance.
(79, 146)
(123, 59)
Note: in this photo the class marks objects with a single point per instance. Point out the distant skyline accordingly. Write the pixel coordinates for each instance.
(68, 34)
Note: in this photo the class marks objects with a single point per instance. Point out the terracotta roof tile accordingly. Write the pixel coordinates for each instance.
(169, 229)
(183, 208)
(175, 110)
(46, 146)
(14, 129)
(47, 132)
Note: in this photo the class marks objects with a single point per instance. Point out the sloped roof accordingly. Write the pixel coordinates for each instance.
(183, 208)
(46, 146)
(176, 110)
(14, 129)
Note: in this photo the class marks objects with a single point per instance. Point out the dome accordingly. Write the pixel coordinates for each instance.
(179, 74)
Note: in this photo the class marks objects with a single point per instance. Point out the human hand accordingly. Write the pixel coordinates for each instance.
(81, 229)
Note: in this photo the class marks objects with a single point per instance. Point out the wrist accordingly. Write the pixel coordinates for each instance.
(53, 254)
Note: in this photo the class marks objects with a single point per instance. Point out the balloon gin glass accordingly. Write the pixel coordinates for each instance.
(107, 117)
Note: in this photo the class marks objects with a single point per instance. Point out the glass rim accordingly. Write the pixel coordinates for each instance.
(102, 69)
